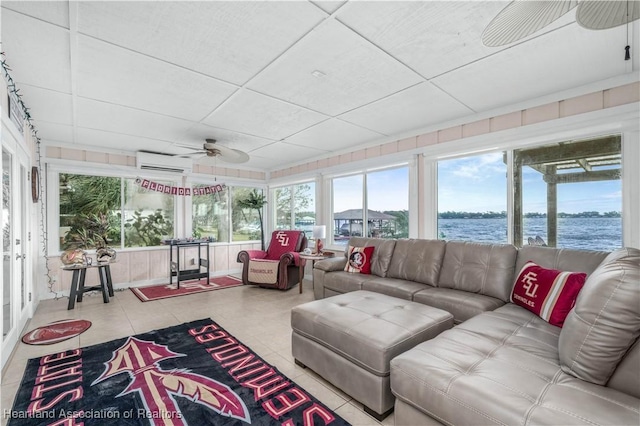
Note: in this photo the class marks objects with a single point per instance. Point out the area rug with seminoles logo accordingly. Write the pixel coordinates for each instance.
(191, 374)
(163, 291)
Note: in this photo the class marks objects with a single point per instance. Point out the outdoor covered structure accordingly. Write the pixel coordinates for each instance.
(587, 161)
(349, 223)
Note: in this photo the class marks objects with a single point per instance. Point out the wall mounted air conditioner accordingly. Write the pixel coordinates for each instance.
(163, 163)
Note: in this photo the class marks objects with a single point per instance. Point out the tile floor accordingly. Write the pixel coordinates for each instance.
(259, 318)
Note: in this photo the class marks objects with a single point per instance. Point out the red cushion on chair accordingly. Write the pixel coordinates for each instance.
(548, 293)
(282, 242)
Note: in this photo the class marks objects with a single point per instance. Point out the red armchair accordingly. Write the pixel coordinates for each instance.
(279, 266)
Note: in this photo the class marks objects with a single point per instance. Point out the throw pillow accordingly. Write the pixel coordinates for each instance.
(359, 259)
(548, 293)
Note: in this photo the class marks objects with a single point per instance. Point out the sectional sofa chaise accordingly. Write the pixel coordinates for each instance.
(501, 363)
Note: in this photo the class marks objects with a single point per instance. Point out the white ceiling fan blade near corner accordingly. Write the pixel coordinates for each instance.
(523, 18)
(224, 153)
(601, 15)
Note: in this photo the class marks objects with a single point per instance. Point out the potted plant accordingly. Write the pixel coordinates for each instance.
(255, 200)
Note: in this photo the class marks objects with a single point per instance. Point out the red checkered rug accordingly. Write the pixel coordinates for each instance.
(163, 291)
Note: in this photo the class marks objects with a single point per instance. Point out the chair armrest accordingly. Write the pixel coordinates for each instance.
(246, 255)
(331, 264)
(290, 258)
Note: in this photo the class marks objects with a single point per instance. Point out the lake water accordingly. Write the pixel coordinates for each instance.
(580, 233)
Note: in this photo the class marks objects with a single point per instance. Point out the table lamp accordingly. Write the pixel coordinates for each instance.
(319, 232)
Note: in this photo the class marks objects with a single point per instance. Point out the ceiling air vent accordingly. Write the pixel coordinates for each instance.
(163, 162)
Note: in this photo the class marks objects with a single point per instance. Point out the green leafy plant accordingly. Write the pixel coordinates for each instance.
(147, 230)
(256, 201)
(93, 230)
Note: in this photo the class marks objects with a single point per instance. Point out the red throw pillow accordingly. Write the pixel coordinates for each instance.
(359, 259)
(548, 293)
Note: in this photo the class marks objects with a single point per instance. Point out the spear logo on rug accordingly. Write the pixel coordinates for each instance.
(156, 386)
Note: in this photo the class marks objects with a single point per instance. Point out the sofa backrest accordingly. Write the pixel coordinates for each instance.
(570, 260)
(479, 268)
(605, 321)
(381, 254)
(417, 260)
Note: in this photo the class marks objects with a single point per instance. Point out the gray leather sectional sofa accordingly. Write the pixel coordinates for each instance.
(502, 364)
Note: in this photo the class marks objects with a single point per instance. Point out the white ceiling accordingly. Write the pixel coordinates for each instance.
(158, 75)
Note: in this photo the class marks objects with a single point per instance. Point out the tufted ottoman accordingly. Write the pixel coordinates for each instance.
(350, 339)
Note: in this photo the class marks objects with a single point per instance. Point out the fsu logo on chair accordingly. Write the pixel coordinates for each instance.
(282, 238)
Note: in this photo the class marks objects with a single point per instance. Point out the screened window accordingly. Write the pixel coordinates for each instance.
(472, 198)
(148, 215)
(210, 215)
(569, 195)
(385, 212)
(295, 207)
(246, 221)
(90, 211)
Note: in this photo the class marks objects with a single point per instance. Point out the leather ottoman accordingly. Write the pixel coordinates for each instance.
(349, 340)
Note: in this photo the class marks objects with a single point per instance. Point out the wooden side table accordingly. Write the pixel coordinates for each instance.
(78, 288)
(312, 258)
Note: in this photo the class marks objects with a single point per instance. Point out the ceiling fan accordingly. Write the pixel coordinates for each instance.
(524, 17)
(212, 149)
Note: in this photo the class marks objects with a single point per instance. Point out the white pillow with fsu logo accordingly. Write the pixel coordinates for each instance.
(359, 259)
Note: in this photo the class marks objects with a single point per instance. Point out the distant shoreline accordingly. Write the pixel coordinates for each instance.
(503, 215)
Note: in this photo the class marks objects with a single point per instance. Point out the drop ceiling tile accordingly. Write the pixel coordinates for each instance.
(129, 121)
(98, 139)
(53, 132)
(417, 107)
(353, 72)
(263, 163)
(256, 114)
(37, 52)
(566, 58)
(112, 74)
(329, 6)
(54, 12)
(286, 153)
(48, 105)
(333, 135)
(228, 40)
(432, 37)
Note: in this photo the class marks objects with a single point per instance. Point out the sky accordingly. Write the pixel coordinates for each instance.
(476, 184)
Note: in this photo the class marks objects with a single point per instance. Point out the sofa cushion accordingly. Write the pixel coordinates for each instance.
(571, 260)
(359, 259)
(344, 282)
(479, 268)
(501, 367)
(462, 304)
(402, 289)
(626, 378)
(548, 293)
(381, 255)
(606, 319)
(417, 260)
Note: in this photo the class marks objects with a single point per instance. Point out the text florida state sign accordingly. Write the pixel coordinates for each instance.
(192, 374)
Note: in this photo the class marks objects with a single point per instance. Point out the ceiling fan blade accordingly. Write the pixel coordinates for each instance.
(600, 15)
(226, 154)
(523, 18)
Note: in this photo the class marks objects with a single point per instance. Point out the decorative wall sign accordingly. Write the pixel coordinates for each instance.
(15, 112)
(178, 190)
